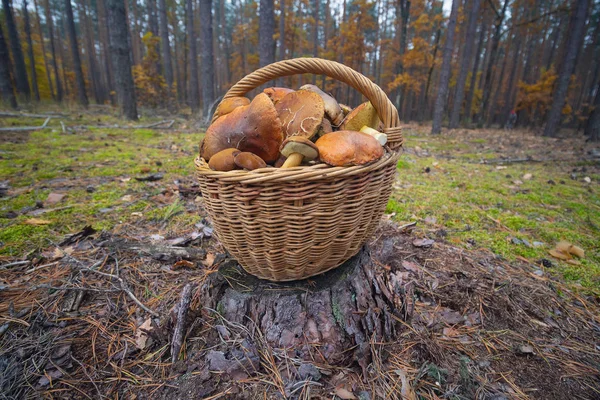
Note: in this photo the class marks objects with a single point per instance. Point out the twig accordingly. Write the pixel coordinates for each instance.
(13, 264)
(149, 126)
(178, 333)
(63, 127)
(26, 128)
(50, 287)
(29, 271)
(512, 160)
(11, 114)
(405, 226)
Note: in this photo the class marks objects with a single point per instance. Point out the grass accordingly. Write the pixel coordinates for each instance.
(459, 199)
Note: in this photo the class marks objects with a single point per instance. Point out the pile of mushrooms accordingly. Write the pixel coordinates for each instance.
(285, 128)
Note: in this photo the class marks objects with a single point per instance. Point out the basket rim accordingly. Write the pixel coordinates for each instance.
(301, 173)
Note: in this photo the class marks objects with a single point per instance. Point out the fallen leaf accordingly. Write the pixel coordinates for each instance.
(127, 198)
(50, 376)
(527, 177)
(141, 334)
(344, 393)
(525, 349)
(558, 254)
(54, 198)
(125, 179)
(210, 260)
(501, 167)
(423, 242)
(431, 220)
(411, 266)
(145, 170)
(37, 221)
(587, 179)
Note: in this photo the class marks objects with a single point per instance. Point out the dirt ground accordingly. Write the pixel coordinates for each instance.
(91, 314)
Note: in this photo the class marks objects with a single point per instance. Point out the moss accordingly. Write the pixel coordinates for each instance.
(337, 313)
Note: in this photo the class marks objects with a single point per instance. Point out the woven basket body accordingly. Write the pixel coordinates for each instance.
(288, 224)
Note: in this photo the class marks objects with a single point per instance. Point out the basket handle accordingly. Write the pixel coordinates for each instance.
(385, 109)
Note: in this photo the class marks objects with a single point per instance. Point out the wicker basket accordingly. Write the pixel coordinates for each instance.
(289, 224)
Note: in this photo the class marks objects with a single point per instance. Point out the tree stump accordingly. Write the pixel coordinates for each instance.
(331, 318)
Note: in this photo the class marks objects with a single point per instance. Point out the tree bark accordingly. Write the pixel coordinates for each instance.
(343, 309)
(194, 96)
(26, 22)
(103, 29)
(465, 63)
(562, 86)
(50, 24)
(85, 23)
(442, 94)
(488, 79)
(6, 86)
(165, 44)
(473, 82)
(80, 83)
(508, 96)
(592, 129)
(226, 39)
(153, 25)
(119, 45)
(266, 29)
(208, 71)
(315, 34)
(46, 65)
(22, 83)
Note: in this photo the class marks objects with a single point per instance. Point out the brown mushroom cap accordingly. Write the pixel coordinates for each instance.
(277, 93)
(365, 114)
(224, 160)
(255, 128)
(230, 104)
(298, 144)
(345, 148)
(249, 161)
(332, 108)
(301, 113)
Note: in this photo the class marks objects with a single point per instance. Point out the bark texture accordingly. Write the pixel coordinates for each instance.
(592, 128)
(119, 44)
(194, 95)
(568, 66)
(208, 70)
(27, 25)
(79, 81)
(464, 64)
(266, 44)
(21, 81)
(342, 309)
(442, 94)
(50, 25)
(6, 86)
(164, 42)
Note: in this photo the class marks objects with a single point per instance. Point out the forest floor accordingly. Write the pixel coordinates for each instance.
(93, 216)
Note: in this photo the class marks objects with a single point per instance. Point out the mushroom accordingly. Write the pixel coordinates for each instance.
(277, 93)
(296, 149)
(346, 148)
(249, 161)
(224, 160)
(381, 137)
(231, 103)
(280, 161)
(301, 113)
(255, 128)
(324, 128)
(332, 108)
(345, 109)
(365, 114)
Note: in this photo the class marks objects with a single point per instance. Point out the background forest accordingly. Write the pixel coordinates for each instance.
(477, 60)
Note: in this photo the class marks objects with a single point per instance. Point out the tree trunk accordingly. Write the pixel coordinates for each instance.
(508, 96)
(22, 83)
(315, 34)
(266, 29)
(80, 83)
(226, 39)
(34, 83)
(340, 312)
(465, 63)
(194, 96)
(488, 79)
(592, 129)
(442, 94)
(134, 33)
(469, 102)
(179, 79)
(164, 41)
(103, 29)
(208, 71)
(153, 25)
(46, 65)
(436, 46)
(119, 46)
(6, 85)
(402, 15)
(562, 86)
(90, 50)
(50, 24)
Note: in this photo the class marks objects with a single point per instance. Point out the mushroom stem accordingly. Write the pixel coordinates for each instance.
(293, 160)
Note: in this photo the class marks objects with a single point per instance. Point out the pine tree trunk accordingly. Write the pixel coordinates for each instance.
(442, 94)
(266, 29)
(226, 39)
(85, 23)
(508, 96)
(465, 63)
(180, 81)
(119, 46)
(6, 85)
(473, 82)
(562, 86)
(315, 34)
(153, 25)
(194, 97)
(22, 83)
(79, 81)
(103, 29)
(208, 71)
(50, 24)
(488, 79)
(46, 65)
(592, 129)
(134, 33)
(34, 83)
(164, 40)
